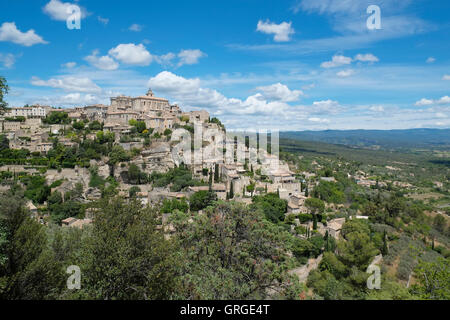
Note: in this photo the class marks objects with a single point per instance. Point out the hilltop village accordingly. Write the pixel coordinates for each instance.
(141, 128)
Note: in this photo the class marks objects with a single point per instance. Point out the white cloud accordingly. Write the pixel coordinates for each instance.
(69, 65)
(280, 92)
(366, 58)
(105, 21)
(132, 54)
(70, 99)
(309, 86)
(135, 27)
(428, 102)
(446, 77)
(431, 60)
(345, 73)
(424, 102)
(377, 108)
(165, 59)
(329, 6)
(190, 94)
(7, 59)
(444, 100)
(68, 83)
(280, 31)
(9, 32)
(102, 63)
(190, 56)
(337, 61)
(319, 120)
(60, 11)
(325, 106)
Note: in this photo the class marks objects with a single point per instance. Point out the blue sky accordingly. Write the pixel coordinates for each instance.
(288, 65)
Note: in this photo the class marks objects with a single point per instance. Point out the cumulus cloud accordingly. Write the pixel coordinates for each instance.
(165, 59)
(102, 63)
(7, 60)
(424, 102)
(431, 60)
(281, 32)
(9, 32)
(70, 99)
(318, 120)
(280, 92)
(446, 77)
(366, 58)
(325, 105)
(377, 108)
(135, 27)
(68, 83)
(190, 93)
(428, 102)
(444, 100)
(131, 54)
(337, 61)
(346, 73)
(60, 11)
(189, 56)
(69, 65)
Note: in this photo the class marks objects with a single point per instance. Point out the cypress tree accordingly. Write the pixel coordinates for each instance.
(314, 222)
(231, 196)
(210, 182)
(385, 249)
(306, 192)
(216, 173)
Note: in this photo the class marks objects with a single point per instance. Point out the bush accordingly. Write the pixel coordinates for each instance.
(202, 199)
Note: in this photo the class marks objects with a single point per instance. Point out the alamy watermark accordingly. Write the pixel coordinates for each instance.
(73, 20)
(374, 21)
(374, 280)
(74, 280)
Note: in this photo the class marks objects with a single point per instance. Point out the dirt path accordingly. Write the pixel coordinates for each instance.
(303, 271)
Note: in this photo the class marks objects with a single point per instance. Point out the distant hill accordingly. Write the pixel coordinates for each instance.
(378, 139)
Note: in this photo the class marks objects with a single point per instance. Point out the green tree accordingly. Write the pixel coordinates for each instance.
(251, 188)
(133, 191)
(4, 143)
(271, 205)
(27, 268)
(117, 154)
(127, 256)
(433, 280)
(4, 88)
(231, 252)
(216, 173)
(439, 223)
(357, 250)
(202, 199)
(232, 190)
(134, 173)
(315, 206)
